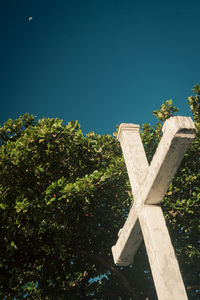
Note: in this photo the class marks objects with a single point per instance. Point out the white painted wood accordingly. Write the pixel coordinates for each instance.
(149, 184)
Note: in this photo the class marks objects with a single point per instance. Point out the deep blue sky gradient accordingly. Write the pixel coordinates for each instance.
(101, 62)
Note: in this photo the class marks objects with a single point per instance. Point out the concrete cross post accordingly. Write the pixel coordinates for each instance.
(149, 185)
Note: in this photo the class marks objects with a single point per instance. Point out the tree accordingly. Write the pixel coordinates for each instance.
(64, 197)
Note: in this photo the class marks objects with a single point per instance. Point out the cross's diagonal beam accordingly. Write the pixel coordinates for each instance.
(149, 184)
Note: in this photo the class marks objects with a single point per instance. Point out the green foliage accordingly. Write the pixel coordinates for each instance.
(57, 207)
(64, 197)
(166, 111)
(151, 137)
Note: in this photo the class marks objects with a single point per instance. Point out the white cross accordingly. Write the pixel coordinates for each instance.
(149, 185)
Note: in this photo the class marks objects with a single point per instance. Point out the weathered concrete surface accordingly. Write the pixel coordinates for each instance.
(149, 184)
(178, 133)
(130, 238)
(134, 154)
(163, 262)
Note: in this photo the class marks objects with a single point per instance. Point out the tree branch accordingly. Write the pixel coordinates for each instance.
(120, 277)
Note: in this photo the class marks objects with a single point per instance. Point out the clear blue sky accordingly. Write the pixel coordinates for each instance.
(101, 62)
